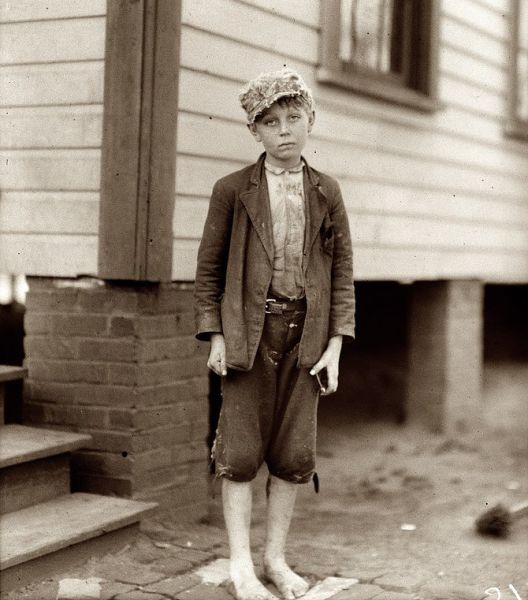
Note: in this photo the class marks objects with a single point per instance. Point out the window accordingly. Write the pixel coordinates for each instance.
(383, 48)
(517, 125)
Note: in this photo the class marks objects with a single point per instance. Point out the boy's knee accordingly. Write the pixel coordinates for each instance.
(239, 470)
(298, 469)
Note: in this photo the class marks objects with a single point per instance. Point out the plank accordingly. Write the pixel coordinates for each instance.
(33, 532)
(55, 212)
(465, 36)
(303, 11)
(477, 72)
(249, 25)
(204, 137)
(48, 255)
(50, 169)
(11, 373)
(32, 10)
(478, 100)
(57, 83)
(407, 263)
(47, 41)
(494, 23)
(22, 444)
(52, 127)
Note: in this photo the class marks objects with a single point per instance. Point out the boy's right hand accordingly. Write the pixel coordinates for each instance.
(217, 355)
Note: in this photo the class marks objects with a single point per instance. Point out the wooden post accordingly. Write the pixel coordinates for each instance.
(139, 139)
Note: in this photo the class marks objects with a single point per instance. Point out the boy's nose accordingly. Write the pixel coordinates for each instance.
(284, 128)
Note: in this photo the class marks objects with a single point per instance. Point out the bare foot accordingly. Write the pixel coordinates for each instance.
(289, 584)
(245, 585)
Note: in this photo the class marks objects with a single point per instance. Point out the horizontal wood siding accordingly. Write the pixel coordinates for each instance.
(51, 94)
(429, 196)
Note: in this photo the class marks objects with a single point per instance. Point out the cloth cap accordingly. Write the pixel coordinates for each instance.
(260, 93)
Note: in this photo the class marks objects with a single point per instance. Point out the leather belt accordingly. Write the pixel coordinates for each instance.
(278, 306)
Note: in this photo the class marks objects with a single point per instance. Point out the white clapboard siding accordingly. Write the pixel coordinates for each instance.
(52, 41)
(50, 212)
(199, 135)
(51, 93)
(54, 84)
(429, 196)
(51, 127)
(66, 255)
(23, 10)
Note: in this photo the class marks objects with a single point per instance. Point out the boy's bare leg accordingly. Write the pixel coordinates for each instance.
(280, 509)
(237, 514)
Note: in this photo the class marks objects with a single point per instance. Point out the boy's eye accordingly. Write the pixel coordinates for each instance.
(270, 122)
(295, 117)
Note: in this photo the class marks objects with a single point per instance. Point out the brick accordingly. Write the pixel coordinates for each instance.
(139, 595)
(110, 441)
(146, 418)
(122, 326)
(41, 283)
(167, 298)
(101, 484)
(150, 350)
(452, 592)
(49, 391)
(157, 326)
(153, 459)
(359, 592)
(107, 350)
(50, 347)
(174, 585)
(172, 565)
(173, 475)
(37, 323)
(102, 462)
(108, 300)
(110, 589)
(123, 374)
(79, 325)
(67, 370)
(161, 436)
(205, 592)
(399, 583)
(185, 390)
(168, 371)
(394, 596)
(121, 418)
(52, 300)
(111, 395)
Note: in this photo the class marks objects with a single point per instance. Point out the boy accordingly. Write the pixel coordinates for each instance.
(274, 295)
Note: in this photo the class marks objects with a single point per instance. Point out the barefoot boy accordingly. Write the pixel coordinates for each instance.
(274, 295)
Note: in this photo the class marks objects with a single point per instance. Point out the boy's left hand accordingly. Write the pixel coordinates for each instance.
(330, 361)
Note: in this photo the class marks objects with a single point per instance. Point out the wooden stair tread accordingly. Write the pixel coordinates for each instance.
(54, 525)
(19, 443)
(10, 373)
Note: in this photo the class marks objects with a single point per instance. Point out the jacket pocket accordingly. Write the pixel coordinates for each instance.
(327, 235)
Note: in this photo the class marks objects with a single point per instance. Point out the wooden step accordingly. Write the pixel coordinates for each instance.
(21, 444)
(8, 374)
(47, 537)
(34, 465)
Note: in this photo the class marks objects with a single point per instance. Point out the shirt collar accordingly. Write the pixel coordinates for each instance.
(280, 170)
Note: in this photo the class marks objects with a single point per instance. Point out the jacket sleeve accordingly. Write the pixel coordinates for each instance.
(343, 304)
(212, 264)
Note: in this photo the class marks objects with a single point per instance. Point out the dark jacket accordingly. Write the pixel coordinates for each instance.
(235, 265)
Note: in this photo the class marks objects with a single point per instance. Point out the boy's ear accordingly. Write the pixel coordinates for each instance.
(311, 121)
(254, 132)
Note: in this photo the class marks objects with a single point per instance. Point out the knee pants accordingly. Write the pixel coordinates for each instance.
(269, 414)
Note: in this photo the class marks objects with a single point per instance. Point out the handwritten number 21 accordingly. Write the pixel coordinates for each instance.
(497, 592)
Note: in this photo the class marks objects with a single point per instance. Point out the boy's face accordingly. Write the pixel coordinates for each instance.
(283, 131)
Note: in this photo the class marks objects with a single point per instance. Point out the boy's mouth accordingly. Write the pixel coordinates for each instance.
(286, 144)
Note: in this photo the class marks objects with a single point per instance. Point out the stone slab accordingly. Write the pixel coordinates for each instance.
(50, 526)
(11, 373)
(400, 583)
(329, 587)
(20, 444)
(359, 592)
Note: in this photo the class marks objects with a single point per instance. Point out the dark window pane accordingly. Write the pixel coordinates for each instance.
(372, 34)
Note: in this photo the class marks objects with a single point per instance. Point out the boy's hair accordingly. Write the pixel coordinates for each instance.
(266, 89)
(286, 101)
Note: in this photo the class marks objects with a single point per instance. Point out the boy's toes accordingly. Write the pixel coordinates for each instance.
(289, 584)
(250, 590)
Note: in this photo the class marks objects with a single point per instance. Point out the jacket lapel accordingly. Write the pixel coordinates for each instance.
(316, 209)
(256, 203)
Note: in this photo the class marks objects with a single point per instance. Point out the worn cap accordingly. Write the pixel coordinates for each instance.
(260, 93)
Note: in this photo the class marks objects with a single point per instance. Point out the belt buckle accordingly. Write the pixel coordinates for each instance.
(272, 308)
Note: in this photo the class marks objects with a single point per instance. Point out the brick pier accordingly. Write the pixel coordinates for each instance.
(119, 361)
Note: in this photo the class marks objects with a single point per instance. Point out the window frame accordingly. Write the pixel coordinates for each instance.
(515, 126)
(334, 71)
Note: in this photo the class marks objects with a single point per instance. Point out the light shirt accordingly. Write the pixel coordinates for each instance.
(286, 198)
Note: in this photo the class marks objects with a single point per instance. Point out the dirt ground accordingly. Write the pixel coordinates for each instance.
(376, 478)
(393, 501)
